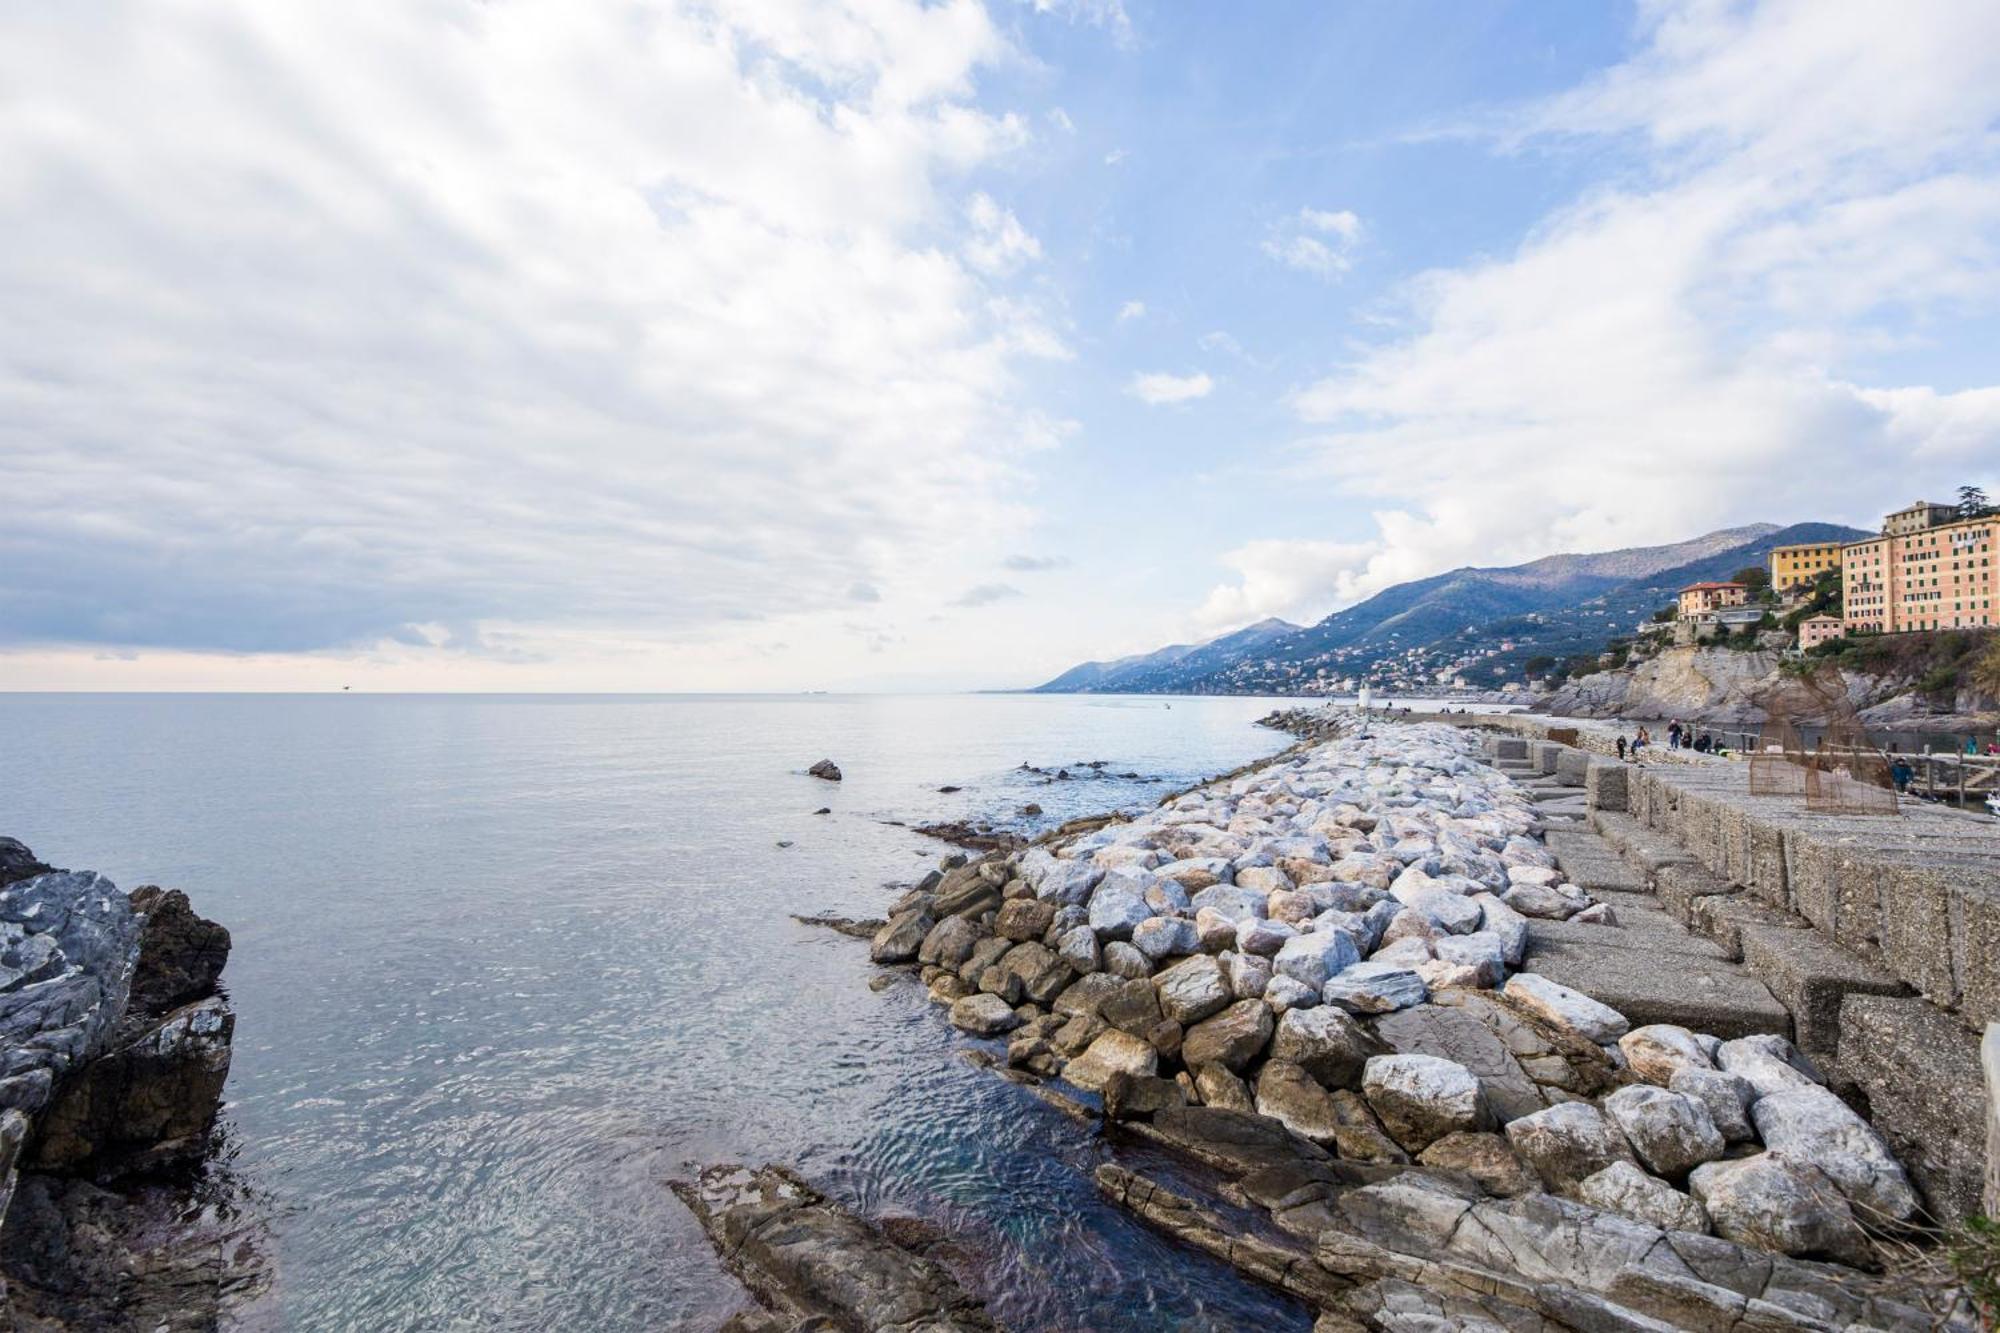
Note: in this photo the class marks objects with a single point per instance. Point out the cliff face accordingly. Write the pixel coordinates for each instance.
(1722, 686)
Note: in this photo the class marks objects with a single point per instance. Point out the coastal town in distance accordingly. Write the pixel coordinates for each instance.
(1000, 666)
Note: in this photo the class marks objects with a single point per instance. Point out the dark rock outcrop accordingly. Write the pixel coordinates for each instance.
(18, 863)
(180, 954)
(114, 1047)
(816, 1265)
(826, 769)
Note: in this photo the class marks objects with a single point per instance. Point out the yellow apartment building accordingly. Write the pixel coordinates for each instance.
(1795, 566)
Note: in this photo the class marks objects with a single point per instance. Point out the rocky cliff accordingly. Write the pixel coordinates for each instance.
(114, 1047)
(1723, 686)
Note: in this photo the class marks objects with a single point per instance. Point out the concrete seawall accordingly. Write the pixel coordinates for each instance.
(1880, 935)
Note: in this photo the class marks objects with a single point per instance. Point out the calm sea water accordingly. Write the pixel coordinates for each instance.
(503, 966)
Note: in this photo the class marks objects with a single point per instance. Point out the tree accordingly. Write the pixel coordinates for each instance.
(1754, 577)
(1665, 614)
(1538, 665)
(1972, 503)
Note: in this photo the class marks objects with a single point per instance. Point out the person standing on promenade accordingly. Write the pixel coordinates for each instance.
(1621, 748)
(1673, 735)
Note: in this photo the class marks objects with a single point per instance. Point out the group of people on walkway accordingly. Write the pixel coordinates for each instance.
(1680, 736)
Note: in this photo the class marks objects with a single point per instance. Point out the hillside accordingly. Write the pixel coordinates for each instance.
(1479, 624)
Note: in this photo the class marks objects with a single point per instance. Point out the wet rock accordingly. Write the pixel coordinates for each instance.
(1767, 1063)
(988, 952)
(1114, 1052)
(1565, 1009)
(149, 1103)
(1327, 1043)
(1672, 1133)
(966, 892)
(1134, 1007)
(1023, 919)
(943, 989)
(1486, 1158)
(984, 1015)
(1624, 1188)
(1655, 1052)
(181, 954)
(1375, 988)
(950, 942)
(997, 980)
(1811, 1124)
(1192, 989)
(900, 940)
(825, 769)
(1128, 1096)
(18, 863)
(1231, 1038)
(1421, 1098)
(1727, 1096)
(1772, 1203)
(1291, 1096)
(1218, 1087)
(1567, 1143)
(818, 1266)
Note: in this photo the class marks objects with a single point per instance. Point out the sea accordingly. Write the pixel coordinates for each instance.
(504, 967)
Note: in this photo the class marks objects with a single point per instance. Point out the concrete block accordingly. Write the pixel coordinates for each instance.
(1679, 886)
(1648, 985)
(1811, 975)
(1572, 767)
(1722, 918)
(1510, 747)
(1545, 756)
(1920, 1070)
(1604, 784)
(1922, 934)
(1976, 906)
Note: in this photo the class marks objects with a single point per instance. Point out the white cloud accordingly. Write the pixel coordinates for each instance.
(1107, 14)
(1669, 354)
(1315, 241)
(1115, 156)
(1131, 310)
(1298, 580)
(999, 243)
(532, 323)
(985, 594)
(1159, 387)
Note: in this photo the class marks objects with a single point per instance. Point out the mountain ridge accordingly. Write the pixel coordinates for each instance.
(1494, 616)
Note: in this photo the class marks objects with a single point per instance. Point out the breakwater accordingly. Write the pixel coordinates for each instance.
(1327, 984)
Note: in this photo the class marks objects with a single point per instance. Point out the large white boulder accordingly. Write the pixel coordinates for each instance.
(1569, 1010)
(1421, 1098)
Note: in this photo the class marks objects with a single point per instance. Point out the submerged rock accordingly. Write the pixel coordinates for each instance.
(825, 769)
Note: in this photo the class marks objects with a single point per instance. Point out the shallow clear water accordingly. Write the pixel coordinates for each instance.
(503, 966)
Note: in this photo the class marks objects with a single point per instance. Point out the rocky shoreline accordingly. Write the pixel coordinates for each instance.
(117, 1043)
(1307, 979)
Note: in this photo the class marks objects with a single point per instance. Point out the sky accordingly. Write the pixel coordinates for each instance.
(869, 344)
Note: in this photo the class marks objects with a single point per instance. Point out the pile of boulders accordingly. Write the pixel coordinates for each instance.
(1333, 943)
